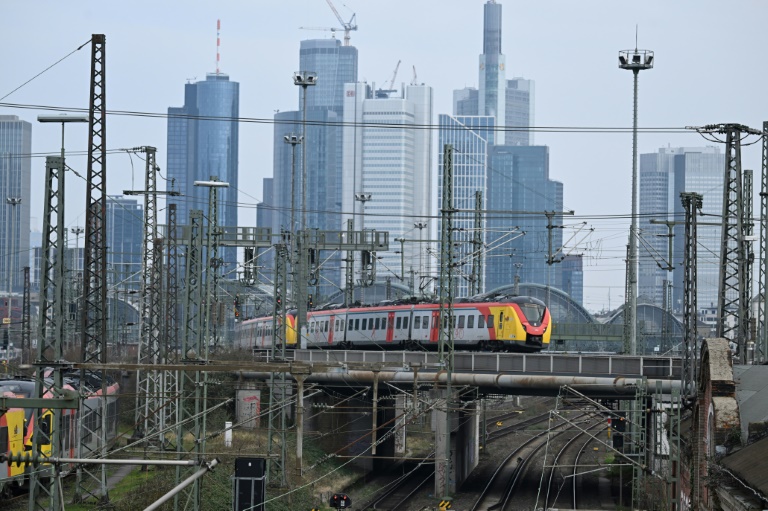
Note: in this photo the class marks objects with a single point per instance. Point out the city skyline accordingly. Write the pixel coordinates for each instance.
(577, 84)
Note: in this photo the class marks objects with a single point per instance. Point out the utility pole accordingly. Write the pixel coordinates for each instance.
(94, 314)
(443, 482)
(476, 280)
(635, 61)
(762, 327)
(150, 394)
(692, 202)
(734, 290)
(194, 352)
(49, 336)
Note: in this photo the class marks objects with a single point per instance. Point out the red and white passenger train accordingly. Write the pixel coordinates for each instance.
(519, 323)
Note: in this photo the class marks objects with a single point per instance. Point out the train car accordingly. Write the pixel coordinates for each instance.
(21, 426)
(11, 442)
(518, 323)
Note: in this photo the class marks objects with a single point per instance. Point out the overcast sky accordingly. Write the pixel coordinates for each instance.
(709, 68)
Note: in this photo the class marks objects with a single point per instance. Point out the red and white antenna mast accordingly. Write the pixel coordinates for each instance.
(218, 45)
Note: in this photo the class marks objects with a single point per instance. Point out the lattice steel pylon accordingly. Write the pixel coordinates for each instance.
(733, 286)
(26, 325)
(692, 202)
(761, 353)
(476, 284)
(50, 335)
(277, 465)
(446, 318)
(150, 394)
(92, 480)
(170, 345)
(193, 348)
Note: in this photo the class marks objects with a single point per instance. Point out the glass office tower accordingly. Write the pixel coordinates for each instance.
(15, 172)
(203, 143)
(519, 192)
(663, 176)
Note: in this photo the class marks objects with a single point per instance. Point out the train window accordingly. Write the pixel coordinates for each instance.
(461, 321)
(533, 312)
(405, 322)
(326, 325)
(490, 320)
(335, 326)
(471, 321)
(417, 322)
(365, 324)
(342, 325)
(399, 323)
(357, 324)
(481, 321)
(378, 322)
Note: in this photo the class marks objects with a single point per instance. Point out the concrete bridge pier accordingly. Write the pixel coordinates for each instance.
(457, 434)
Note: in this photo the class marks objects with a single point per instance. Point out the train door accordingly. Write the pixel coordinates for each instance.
(434, 332)
(390, 326)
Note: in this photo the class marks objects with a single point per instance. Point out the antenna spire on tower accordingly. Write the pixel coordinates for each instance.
(218, 45)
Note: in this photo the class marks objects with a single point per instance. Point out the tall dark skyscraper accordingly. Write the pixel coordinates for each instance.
(15, 172)
(201, 148)
(492, 98)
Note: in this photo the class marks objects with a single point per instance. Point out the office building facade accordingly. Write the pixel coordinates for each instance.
(201, 148)
(393, 165)
(470, 137)
(15, 179)
(662, 177)
(518, 238)
(125, 235)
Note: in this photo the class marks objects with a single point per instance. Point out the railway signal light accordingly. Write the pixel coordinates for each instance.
(340, 501)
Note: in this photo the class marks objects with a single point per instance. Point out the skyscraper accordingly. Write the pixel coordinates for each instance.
(15, 172)
(125, 229)
(470, 137)
(662, 177)
(519, 185)
(200, 147)
(393, 164)
(492, 97)
(519, 111)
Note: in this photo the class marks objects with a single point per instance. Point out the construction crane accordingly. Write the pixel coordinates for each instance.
(394, 76)
(327, 29)
(413, 80)
(348, 26)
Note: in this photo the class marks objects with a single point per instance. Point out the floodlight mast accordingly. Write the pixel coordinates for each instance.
(635, 61)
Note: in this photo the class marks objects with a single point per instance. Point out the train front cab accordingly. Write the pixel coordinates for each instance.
(11, 442)
(524, 325)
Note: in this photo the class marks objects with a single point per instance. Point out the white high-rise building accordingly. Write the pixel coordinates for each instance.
(393, 164)
(662, 177)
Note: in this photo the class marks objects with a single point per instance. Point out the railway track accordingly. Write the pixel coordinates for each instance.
(511, 484)
(400, 491)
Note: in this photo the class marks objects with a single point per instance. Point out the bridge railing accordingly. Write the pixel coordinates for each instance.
(512, 363)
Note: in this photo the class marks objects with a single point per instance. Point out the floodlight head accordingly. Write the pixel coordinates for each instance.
(63, 118)
(292, 138)
(304, 78)
(636, 60)
(363, 197)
